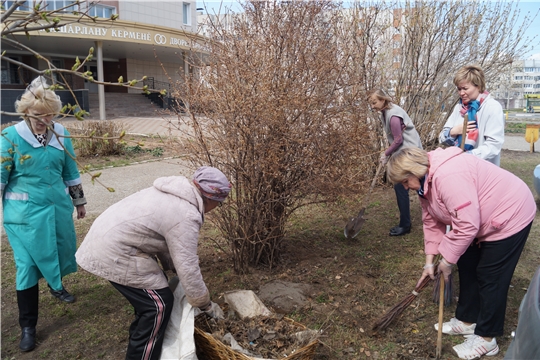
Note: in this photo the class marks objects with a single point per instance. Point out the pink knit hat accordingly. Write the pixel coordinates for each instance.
(212, 183)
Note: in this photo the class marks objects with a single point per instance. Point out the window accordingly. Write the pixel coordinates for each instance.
(60, 4)
(102, 11)
(59, 63)
(518, 78)
(186, 13)
(10, 73)
(23, 7)
(527, 85)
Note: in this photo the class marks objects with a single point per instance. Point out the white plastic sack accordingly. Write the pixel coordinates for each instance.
(179, 343)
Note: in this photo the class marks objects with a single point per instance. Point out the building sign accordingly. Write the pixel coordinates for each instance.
(134, 33)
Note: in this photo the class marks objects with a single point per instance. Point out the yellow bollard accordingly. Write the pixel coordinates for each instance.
(531, 135)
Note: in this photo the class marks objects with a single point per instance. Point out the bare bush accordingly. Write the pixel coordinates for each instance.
(275, 119)
(90, 138)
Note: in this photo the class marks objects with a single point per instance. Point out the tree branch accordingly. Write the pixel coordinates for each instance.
(11, 9)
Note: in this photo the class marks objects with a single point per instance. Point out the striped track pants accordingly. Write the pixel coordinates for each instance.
(152, 313)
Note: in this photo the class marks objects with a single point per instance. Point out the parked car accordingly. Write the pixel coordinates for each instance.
(526, 342)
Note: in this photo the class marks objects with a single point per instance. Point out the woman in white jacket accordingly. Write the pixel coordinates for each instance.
(162, 221)
(485, 130)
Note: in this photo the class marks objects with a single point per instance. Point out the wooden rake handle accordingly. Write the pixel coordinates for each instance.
(373, 182)
(464, 131)
(438, 353)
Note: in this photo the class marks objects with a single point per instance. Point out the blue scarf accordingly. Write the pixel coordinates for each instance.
(471, 109)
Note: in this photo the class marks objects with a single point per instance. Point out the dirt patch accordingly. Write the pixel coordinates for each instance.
(351, 285)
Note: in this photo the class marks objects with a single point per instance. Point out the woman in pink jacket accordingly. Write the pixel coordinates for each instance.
(491, 213)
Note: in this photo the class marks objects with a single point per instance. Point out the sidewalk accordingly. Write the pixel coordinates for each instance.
(127, 180)
(159, 125)
(518, 143)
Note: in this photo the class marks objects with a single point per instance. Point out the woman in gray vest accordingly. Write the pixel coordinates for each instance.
(401, 133)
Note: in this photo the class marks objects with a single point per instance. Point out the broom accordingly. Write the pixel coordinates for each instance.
(398, 309)
(448, 289)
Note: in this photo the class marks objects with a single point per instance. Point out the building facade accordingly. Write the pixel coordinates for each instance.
(521, 82)
(155, 39)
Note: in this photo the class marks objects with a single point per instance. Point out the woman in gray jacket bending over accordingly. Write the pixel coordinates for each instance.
(161, 221)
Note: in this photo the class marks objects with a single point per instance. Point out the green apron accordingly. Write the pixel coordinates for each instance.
(38, 211)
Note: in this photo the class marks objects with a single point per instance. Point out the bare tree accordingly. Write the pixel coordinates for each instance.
(420, 47)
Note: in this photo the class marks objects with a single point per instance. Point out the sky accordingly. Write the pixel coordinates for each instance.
(525, 6)
(532, 7)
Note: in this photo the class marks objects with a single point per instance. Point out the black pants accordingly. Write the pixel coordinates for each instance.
(404, 205)
(152, 313)
(485, 272)
(28, 302)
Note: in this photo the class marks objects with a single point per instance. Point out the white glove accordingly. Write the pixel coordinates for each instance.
(383, 159)
(214, 311)
(446, 268)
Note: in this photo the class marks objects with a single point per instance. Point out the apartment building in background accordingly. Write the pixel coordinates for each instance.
(520, 83)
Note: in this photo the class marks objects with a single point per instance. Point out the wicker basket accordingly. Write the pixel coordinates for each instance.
(208, 348)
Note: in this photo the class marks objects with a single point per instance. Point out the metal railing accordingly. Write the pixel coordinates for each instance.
(154, 84)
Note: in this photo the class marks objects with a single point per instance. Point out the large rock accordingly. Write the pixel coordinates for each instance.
(284, 296)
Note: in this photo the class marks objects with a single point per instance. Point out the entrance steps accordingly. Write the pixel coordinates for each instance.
(118, 105)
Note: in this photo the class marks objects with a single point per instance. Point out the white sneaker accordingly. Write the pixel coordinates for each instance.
(475, 346)
(456, 327)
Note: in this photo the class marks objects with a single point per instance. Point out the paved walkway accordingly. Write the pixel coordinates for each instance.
(518, 143)
(170, 125)
(164, 126)
(127, 180)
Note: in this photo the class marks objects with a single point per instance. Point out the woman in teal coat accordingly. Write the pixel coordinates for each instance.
(40, 187)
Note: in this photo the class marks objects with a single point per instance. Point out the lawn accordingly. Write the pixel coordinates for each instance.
(351, 284)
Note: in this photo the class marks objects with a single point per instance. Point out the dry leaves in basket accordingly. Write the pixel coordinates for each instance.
(269, 337)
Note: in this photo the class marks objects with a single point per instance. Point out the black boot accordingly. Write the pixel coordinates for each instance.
(399, 230)
(62, 295)
(28, 302)
(28, 339)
